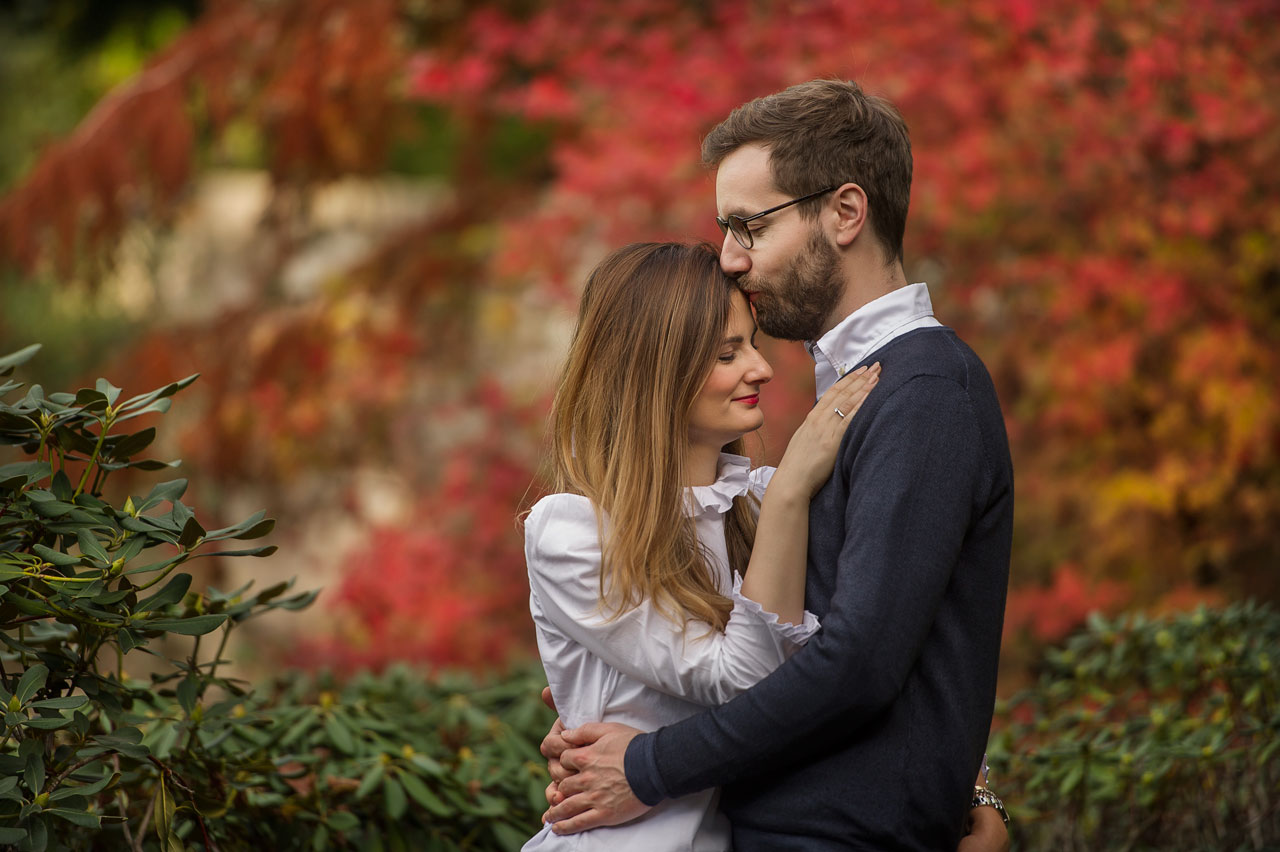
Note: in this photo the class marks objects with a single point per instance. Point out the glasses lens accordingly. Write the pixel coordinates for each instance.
(741, 232)
(724, 226)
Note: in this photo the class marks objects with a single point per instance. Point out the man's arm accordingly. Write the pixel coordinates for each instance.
(600, 795)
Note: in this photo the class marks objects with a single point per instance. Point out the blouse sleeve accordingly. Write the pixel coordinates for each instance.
(698, 663)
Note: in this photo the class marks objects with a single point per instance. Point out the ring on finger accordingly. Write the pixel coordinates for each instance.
(841, 413)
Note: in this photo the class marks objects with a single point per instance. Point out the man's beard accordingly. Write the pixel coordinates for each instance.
(797, 304)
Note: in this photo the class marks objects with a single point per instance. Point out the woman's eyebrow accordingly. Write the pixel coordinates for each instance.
(737, 338)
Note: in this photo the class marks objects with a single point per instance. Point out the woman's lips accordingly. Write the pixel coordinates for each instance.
(754, 399)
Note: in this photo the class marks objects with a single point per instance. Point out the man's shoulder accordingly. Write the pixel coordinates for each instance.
(930, 341)
(935, 351)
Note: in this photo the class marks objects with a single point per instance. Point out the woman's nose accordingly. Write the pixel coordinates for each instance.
(761, 371)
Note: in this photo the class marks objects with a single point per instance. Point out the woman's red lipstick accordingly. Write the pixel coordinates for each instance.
(754, 399)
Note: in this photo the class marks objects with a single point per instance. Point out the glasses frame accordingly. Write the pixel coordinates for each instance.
(737, 225)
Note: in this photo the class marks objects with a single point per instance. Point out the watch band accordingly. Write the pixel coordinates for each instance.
(983, 797)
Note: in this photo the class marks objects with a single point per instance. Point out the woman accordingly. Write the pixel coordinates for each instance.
(655, 588)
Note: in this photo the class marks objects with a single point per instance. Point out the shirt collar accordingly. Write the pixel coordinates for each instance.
(865, 330)
(732, 480)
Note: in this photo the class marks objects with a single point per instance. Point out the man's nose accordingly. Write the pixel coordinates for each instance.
(734, 259)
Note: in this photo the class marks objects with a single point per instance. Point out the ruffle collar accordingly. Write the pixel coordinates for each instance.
(732, 480)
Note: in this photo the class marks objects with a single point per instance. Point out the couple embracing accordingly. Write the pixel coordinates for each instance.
(799, 658)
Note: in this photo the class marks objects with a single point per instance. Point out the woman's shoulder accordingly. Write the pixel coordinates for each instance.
(560, 522)
(560, 507)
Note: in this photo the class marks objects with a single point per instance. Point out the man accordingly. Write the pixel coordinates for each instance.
(869, 736)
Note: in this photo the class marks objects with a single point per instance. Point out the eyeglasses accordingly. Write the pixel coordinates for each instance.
(737, 225)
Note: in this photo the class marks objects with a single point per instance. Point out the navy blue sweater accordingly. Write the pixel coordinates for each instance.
(871, 735)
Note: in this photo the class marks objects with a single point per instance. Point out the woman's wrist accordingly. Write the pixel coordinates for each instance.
(788, 490)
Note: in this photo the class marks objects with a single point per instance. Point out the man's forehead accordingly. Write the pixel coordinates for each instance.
(744, 181)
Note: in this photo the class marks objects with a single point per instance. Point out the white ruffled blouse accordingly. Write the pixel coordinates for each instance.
(641, 668)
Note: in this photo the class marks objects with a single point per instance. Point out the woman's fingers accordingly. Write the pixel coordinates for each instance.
(847, 395)
(852, 383)
(841, 387)
(859, 392)
(856, 381)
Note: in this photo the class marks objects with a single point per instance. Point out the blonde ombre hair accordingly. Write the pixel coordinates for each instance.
(652, 320)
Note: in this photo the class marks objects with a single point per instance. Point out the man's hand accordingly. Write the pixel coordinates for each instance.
(987, 832)
(597, 792)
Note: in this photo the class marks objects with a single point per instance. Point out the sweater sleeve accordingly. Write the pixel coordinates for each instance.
(693, 661)
(913, 484)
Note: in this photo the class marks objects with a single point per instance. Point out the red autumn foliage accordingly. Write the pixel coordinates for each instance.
(1050, 614)
(1094, 209)
(317, 78)
(449, 589)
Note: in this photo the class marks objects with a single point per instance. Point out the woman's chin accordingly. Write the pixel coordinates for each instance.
(748, 428)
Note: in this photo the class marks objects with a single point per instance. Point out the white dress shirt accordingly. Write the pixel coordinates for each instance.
(867, 329)
(641, 668)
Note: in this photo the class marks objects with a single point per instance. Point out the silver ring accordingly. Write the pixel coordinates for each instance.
(841, 413)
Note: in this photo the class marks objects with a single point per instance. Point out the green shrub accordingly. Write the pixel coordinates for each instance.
(84, 583)
(91, 759)
(395, 761)
(1149, 734)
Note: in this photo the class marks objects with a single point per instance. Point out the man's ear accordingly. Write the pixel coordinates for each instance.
(851, 213)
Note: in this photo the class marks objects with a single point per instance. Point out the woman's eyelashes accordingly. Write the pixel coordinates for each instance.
(730, 355)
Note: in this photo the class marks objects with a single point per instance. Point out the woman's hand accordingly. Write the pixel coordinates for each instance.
(811, 454)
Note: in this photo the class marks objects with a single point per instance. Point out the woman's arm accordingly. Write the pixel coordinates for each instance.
(775, 575)
(692, 661)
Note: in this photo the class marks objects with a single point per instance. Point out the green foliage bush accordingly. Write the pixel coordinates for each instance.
(1146, 734)
(395, 761)
(92, 759)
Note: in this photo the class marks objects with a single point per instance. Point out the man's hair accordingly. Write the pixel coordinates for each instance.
(824, 133)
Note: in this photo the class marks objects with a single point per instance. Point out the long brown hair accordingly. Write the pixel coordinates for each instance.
(652, 319)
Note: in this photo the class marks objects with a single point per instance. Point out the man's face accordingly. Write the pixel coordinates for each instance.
(791, 274)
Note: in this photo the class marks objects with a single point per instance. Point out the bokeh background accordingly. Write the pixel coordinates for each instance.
(365, 224)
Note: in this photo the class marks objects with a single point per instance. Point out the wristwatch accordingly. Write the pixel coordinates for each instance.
(983, 797)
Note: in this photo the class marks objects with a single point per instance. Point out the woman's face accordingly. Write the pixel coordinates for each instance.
(728, 406)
